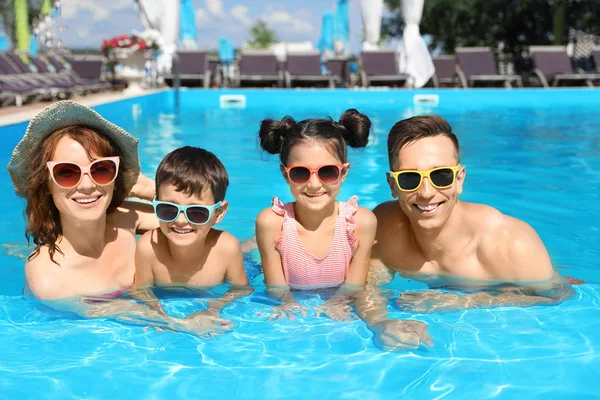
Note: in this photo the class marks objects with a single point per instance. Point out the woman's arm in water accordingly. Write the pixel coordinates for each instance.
(41, 285)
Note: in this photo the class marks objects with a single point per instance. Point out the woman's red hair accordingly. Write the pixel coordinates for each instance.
(43, 219)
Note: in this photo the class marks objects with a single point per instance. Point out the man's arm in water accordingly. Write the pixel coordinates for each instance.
(516, 258)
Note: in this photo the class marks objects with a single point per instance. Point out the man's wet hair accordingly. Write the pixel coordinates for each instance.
(416, 128)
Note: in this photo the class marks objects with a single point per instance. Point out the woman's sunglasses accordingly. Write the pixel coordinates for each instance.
(411, 180)
(196, 214)
(67, 175)
(327, 174)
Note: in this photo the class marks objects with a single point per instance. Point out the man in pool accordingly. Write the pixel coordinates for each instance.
(428, 234)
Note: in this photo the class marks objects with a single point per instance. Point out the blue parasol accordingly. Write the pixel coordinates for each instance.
(187, 21)
(341, 28)
(326, 40)
(226, 52)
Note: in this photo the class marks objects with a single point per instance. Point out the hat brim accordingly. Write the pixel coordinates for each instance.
(61, 115)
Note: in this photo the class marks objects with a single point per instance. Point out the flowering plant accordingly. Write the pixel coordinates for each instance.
(137, 41)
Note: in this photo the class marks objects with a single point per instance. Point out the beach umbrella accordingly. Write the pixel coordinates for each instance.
(372, 12)
(341, 29)
(187, 32)
(163, 16)
(326, 41)
(3, 42)
(226, 52)
(415, 59)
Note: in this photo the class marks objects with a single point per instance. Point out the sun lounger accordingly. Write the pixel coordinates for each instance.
(63, 86)
(192, 66)
(34, 84)
(340, 67)
(19, 93)
(476, 65)
(258, 67)
(553, 66)
(305, 68)
(445, 71)
(380, 66)
(596, 58)
(92, 80)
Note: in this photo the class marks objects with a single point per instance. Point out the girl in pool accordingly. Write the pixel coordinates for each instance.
(316, 241)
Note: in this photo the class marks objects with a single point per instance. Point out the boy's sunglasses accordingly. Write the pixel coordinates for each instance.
(196, 214)
(67, 175)
(327, 174)
(411, 180)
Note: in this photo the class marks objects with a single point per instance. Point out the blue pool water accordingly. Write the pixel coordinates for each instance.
(533, 154)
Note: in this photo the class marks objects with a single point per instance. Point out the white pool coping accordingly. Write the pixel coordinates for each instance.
(15, 115)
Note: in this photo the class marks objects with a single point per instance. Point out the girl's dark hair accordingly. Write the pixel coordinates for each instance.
(278, 137)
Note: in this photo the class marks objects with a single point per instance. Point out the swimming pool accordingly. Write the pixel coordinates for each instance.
(534, 154)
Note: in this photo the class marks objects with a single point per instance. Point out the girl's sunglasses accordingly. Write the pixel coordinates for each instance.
(195, 214)
(327, 174)
(67, 175)
(411, 180)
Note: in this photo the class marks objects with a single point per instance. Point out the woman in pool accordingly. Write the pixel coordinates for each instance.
(75, 170)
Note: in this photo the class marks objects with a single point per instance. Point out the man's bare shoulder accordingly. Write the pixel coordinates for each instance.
(390, 219)
(41, 275)
(491, 224)
(390, 211)
(510, 246)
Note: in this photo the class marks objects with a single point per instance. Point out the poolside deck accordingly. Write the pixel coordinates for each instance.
(14, 115)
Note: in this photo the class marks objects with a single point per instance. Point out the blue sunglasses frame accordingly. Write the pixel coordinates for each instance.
(180, 209)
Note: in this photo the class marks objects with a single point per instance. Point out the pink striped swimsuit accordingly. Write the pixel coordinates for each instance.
(303, 270)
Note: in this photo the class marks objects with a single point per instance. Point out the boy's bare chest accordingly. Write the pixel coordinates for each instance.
(208, 273)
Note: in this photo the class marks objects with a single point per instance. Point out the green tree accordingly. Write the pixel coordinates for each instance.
(262, 35)
(514, 23)
(7, 15)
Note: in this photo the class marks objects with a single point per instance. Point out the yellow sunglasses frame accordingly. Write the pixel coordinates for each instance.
(424, 174)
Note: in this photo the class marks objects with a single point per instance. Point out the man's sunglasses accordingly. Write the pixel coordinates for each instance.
(196, 214)
(411, 180)
(327, 174)
(67, 175)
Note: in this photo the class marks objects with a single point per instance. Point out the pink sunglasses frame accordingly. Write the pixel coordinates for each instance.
(315, 171)
(85, 169)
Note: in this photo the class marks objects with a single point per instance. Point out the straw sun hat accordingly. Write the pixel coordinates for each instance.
(61, 115)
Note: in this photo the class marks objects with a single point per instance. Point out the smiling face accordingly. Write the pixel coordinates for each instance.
(314, 195)
(428, 207)
(181, 232)
(87, 201)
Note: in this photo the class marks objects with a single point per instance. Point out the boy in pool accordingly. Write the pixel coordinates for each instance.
(186, 249)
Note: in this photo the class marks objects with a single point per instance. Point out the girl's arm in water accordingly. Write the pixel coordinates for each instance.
(338, 306)
(268, 230)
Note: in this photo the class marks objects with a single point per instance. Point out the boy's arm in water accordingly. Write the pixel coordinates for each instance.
(235, 274)
(144, 275)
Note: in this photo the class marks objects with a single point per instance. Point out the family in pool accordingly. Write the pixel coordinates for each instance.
(75, 169)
